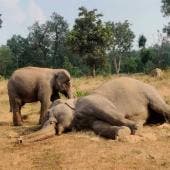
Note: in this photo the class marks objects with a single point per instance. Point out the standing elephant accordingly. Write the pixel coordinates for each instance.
(31, 84)
(116, 104)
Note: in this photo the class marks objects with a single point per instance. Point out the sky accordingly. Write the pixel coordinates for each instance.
(145, 16)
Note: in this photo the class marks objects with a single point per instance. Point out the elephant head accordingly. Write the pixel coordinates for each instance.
(61, 113)
(58, 119)
(61, 83)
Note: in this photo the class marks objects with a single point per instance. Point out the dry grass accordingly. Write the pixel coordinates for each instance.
(150, 149)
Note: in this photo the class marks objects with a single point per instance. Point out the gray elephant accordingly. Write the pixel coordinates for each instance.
(123, 102)
(31, 84)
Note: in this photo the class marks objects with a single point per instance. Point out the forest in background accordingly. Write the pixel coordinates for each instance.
(90, 47)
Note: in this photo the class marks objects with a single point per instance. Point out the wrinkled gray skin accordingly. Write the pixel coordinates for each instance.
(31, 84)
(117, 103)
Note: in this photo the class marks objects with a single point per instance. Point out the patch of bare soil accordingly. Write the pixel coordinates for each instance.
(148, 149)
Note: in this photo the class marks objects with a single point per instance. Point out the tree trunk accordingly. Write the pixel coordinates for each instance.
(117, 63)
(94, 70)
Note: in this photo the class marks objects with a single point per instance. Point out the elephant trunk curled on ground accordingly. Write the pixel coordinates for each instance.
(116, 104)
(31, 84)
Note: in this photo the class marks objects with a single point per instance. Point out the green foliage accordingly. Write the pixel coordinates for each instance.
(146, 55)
(39, 42)
(2, 78)
(166, 29)
(80, 93)
(142, 41)
(122, 40)
(91, 46)
(67, 65)
(5, 60)
(0, 21)
(166, 7)
(44, 46)
(90, 38)
(162, 55)
(149, 66)
(58, 33)
(106, 69)
(130, 65)
(20, 51)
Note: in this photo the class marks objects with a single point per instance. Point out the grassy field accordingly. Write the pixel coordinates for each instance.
(149, 149)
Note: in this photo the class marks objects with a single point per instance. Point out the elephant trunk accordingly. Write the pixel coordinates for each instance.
(69, 94)
(44, 133)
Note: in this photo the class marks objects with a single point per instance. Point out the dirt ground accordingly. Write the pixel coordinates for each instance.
(148, 149)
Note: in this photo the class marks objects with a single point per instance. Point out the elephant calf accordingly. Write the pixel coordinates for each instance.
(31, 84)
(117, 103)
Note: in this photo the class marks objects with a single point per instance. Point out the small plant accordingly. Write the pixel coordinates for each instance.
(80, 93)
(1, 78)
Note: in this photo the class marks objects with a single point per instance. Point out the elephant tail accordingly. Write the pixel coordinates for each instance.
(10, 105)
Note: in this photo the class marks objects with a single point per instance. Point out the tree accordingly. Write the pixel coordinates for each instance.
(166, 30)
(58, 33)
(161, 55)
(5, 60)
(165, 7)
(122, 42)
(0, 21)
(142, 41)
(18, 46)
(90, 38)
(47, 42)
(39, 41)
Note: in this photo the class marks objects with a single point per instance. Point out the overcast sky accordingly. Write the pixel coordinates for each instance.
(145, 15)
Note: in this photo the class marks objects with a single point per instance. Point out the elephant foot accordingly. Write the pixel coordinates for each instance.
(133, 128)
(18, 123)
(122, 132)
(108, 131)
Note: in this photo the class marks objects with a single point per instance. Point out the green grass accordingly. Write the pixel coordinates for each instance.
(80, 93)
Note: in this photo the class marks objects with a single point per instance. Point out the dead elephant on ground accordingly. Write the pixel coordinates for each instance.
(116, 104)
(31, 84)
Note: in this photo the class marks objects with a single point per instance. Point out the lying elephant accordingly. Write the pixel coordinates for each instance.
(31, 84)
(116, 104)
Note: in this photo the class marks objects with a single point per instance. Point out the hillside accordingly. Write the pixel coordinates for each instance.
(150, 149)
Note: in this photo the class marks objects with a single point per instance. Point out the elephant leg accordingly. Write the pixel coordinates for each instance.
(44, 96)
(55, 96)
(104, 110)
(157, 104)
(119, 120)
(16, 107)
(130, 124)
(44, 106)
(106, 130)
(10, 104)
